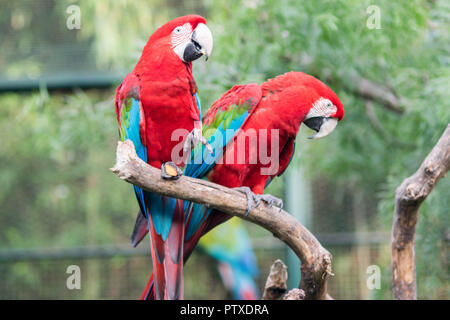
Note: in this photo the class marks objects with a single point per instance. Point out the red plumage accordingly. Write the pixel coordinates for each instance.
(167, 91)
(163, 84)
(281, 103)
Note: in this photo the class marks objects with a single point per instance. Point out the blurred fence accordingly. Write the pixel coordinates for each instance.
(121, 272)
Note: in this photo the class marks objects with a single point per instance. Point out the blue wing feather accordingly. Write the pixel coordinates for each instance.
(162, 208)
(130, 130)
(221, 132)
(201, 160)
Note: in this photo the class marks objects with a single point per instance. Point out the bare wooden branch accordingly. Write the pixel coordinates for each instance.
(373, 91)
(276, 281)
(408, 198)
(370, 111)
(294, 294)
(358, 85)
(316, 260)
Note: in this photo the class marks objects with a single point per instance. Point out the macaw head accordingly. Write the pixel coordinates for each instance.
(186, 37)
(308, 100)
(325, 108)
(325, 112)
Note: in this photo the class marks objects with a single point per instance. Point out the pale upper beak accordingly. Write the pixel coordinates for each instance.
(203, 40)
(322, 125)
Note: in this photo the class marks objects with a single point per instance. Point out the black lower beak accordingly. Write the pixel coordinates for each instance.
(314, 123)
(192, 52)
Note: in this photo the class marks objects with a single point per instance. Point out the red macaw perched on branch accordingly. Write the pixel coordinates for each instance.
(271, 115)
(158, 97)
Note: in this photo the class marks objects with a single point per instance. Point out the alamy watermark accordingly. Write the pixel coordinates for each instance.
(74, 280)
(374, 277)
(374, 19)
(73, 21)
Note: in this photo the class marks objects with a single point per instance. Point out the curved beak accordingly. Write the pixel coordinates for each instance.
(201, 44)
(323, 126)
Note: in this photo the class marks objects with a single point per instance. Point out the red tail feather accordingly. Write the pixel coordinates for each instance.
(148, 293)
(173, 262)
(167, 259)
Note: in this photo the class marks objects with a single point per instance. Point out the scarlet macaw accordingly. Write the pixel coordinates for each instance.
(277, 107)
(158, 97)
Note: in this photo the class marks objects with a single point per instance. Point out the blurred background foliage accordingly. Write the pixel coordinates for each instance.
(55, 187)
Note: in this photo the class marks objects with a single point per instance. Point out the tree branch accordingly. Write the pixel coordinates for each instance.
(370, 111)
(294, 294)
(276, 281)
(276, 287)
(408, 198)
(316, 260)
(373, 91)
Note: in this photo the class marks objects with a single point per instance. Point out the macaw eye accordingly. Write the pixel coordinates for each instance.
(178, 30)
(329, 104)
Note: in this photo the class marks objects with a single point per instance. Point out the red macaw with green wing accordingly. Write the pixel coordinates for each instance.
(277, 108)
(157, 98)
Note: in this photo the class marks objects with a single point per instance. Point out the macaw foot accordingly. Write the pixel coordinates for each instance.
(193, 138)
(170, 171)
(252, 199)
(271, 200)
(206, 144)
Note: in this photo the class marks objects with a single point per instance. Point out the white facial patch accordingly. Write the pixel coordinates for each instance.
(181, 34)
(322, 108)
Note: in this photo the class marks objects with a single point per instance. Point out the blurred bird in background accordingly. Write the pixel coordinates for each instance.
(230, 245)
